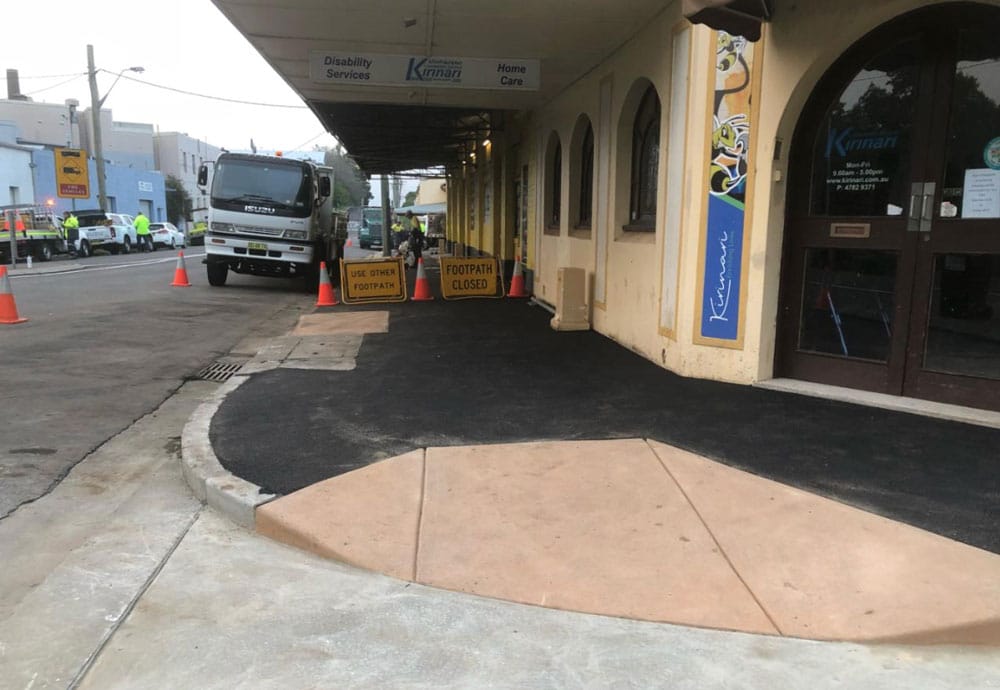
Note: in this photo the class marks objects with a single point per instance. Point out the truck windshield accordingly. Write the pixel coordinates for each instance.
(374, 216)
(282, 187)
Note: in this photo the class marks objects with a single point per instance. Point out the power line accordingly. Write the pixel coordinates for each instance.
(51, 76)
(307, 142)
(56, 86)
(211, 98)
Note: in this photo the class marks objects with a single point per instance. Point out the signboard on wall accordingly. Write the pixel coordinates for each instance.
(72, 174)
(728, 177)
(372, 69)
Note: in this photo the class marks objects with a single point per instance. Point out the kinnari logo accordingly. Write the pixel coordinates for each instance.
(846, 141)
(434, 70)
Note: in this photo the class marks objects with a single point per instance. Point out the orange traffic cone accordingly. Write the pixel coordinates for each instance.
(8, 310)
(517, 281)
(326, 297)
(180, 273)
(348, 242)
(422, 288)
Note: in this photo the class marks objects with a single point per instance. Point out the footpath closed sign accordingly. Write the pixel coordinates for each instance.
(464, 278)
(372, 281)
(72, 175)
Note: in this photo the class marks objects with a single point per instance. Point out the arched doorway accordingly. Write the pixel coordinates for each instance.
(891, 272)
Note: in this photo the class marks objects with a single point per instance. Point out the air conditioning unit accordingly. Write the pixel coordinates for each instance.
(571, 301)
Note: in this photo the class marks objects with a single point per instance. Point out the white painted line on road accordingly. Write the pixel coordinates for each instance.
(115, 267)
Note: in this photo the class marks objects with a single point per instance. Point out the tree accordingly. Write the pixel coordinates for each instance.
(410, 199)
(350, 188)
(179, 204)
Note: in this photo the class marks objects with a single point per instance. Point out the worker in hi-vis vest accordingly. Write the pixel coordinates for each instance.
(71, 222)
(141, 224)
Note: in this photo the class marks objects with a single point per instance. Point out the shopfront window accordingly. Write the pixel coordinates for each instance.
(861, 155)
(972, 172)
(847, 303)
(963, 336)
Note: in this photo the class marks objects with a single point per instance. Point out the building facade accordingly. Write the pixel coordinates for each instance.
(179, 155)
(132, 181)
(815, 205)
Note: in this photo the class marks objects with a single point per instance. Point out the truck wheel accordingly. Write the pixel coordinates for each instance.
(217, 274)
(127, 245)
(44, 252)
(84, 251)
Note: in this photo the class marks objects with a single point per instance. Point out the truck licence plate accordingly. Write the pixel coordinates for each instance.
(257, 245)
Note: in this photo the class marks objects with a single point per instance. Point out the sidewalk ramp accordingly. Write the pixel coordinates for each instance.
(639, 529)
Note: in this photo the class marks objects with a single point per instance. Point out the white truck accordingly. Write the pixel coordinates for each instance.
(99, 230)
(271, 216)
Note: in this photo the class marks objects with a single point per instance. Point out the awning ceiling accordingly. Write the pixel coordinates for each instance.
(394, 128)
(738, 17)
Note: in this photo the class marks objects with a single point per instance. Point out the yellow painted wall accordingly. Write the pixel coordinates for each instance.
(798, 47)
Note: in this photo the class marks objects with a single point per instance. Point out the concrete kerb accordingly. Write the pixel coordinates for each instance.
(210, 482)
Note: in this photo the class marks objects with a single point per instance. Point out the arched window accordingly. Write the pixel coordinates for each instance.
(586, 204)
(553, 185)
(645, 163)
(555, 202)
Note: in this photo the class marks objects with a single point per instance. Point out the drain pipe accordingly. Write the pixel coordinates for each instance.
(535, 302)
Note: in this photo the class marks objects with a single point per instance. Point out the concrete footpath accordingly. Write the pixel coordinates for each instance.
(456, 497)
(480, 564)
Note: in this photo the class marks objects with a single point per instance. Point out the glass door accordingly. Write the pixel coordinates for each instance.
(847, 275)
(891, 274)
(954, 341)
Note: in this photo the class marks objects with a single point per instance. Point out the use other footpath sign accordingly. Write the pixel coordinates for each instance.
(72, 175)
(464, 278)
(367, 281)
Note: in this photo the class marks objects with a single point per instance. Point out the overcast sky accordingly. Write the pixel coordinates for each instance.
(182, 44)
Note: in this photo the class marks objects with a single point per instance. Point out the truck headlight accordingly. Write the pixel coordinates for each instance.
(222, 227)
(296, 234)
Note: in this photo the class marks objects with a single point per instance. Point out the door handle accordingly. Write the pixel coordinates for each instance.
(927, 212)
(913, 219)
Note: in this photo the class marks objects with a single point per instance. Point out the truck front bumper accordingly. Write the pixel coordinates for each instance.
(236, 249)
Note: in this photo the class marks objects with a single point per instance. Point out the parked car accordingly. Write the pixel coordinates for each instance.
(167, 235)
(196, 235)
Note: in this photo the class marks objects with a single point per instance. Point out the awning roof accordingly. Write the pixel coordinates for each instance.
(737, 17)
(389, 128)
(423, 209)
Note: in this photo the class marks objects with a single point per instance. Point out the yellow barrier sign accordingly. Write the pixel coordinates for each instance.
(72, 175)
(463, 278)
(372, 281)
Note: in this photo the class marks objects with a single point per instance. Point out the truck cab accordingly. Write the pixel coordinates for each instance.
(269, 216)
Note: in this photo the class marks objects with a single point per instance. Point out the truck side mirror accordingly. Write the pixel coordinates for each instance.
(324, 186)
(203, 175)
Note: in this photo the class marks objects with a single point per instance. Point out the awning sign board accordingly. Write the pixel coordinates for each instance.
(370, 69)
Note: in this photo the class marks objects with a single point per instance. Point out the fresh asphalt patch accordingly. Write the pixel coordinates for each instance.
(493, 371)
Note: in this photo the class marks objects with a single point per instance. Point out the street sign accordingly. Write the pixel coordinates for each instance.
(72, 175)
(472, 277)
(365, 280)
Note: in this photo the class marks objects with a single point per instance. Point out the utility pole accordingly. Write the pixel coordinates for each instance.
(397, 191)
(96, 101)
(386, 215)
(95, 122)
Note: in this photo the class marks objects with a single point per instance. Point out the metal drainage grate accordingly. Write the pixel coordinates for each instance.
(218, 371)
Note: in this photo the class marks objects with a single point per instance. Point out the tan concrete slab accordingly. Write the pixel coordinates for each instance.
(825, 570)
(367, 518)
(594, 526)
(331, 323)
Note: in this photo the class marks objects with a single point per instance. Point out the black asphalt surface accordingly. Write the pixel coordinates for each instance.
(493, 371)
